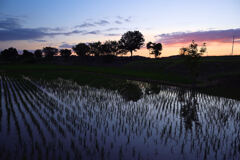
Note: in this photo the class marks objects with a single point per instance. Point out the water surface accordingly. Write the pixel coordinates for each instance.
(61, 120)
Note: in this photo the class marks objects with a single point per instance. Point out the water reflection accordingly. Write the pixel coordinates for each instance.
(62, 120)
(189, 107)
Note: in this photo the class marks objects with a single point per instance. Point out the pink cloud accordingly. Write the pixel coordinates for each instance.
(220, 36)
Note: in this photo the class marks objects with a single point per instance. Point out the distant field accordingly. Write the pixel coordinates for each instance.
(220, 73)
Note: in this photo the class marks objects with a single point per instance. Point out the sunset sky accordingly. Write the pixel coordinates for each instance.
(33, 24)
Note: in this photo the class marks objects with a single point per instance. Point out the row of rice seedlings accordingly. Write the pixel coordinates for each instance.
(37, 109)
(18, 94)
(209, 112)
(40, 116)
(22, 112)
(1, 89)
(6, 104)
(54, 119)
(67, 124)
(58, 117)
(25, 102)
(16, 91)
(168, 107)
(36, 146)
(64, 121)
(12, 108)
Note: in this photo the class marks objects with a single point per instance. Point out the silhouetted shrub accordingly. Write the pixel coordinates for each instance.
(155, 48)
(65, 53)
(27, 57)
(81, 49)
(49, 52)
(95, 48)
(9, 54)
(38, 53)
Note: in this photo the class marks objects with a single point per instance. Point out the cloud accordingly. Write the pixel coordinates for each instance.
(120, 17)
(86, 24)
(223, 36)
(118, 22)
(40, 40)
(112, 34)
(129, 19)
(32, 34)
(102, 22)
(112, 29)
(92, 32)
(10, 23)
(92, 24)
(66, 45)
(69, 33)
(45, 29)
(11, 29)
(21, 34)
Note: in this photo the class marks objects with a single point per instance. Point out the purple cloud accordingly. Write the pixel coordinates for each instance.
(66, 45)
(112, 34)
(10, 23)
(102, 22)
(224, 36)
(86, 24)
(118, 22)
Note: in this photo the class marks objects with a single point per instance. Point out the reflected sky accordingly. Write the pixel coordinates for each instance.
(53, 119)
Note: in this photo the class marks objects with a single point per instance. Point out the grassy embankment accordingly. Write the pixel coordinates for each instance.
(217, 75)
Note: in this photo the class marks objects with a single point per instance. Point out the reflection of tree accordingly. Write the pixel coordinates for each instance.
(189, 109)
(181, 94)
(153, 89)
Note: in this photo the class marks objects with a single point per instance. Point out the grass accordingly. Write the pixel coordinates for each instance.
(93, 72)
(170, 70)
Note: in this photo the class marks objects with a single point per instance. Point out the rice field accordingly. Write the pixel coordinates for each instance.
(61, 120)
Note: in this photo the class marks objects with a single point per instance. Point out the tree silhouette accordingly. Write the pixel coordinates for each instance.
(65, 53)
(154, 48)
(131, 41)
(192, 50)
(27, 54)
(96, 48)
(81, 49)
(38, 53)
(192, 57)
(110, 48)
(49, 52)
(9, 54)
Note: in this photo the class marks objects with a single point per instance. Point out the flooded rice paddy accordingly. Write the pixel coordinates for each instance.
(62, 120)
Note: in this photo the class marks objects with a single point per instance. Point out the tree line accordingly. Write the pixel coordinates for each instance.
(129, 42)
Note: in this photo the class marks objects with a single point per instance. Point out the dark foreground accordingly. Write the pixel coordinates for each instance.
(217, 76)
(59, 119)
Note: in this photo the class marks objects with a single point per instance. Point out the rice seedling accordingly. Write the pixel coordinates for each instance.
(58, 119)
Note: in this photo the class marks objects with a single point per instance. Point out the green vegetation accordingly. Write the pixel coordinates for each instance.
(217, 75)
(98, 65)
(154, 48)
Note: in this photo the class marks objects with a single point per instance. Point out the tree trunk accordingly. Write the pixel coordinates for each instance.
(131, 53)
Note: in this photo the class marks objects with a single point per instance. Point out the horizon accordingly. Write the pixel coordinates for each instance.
(34, 25)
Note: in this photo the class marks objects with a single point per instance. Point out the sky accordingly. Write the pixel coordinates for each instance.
(34, 24)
